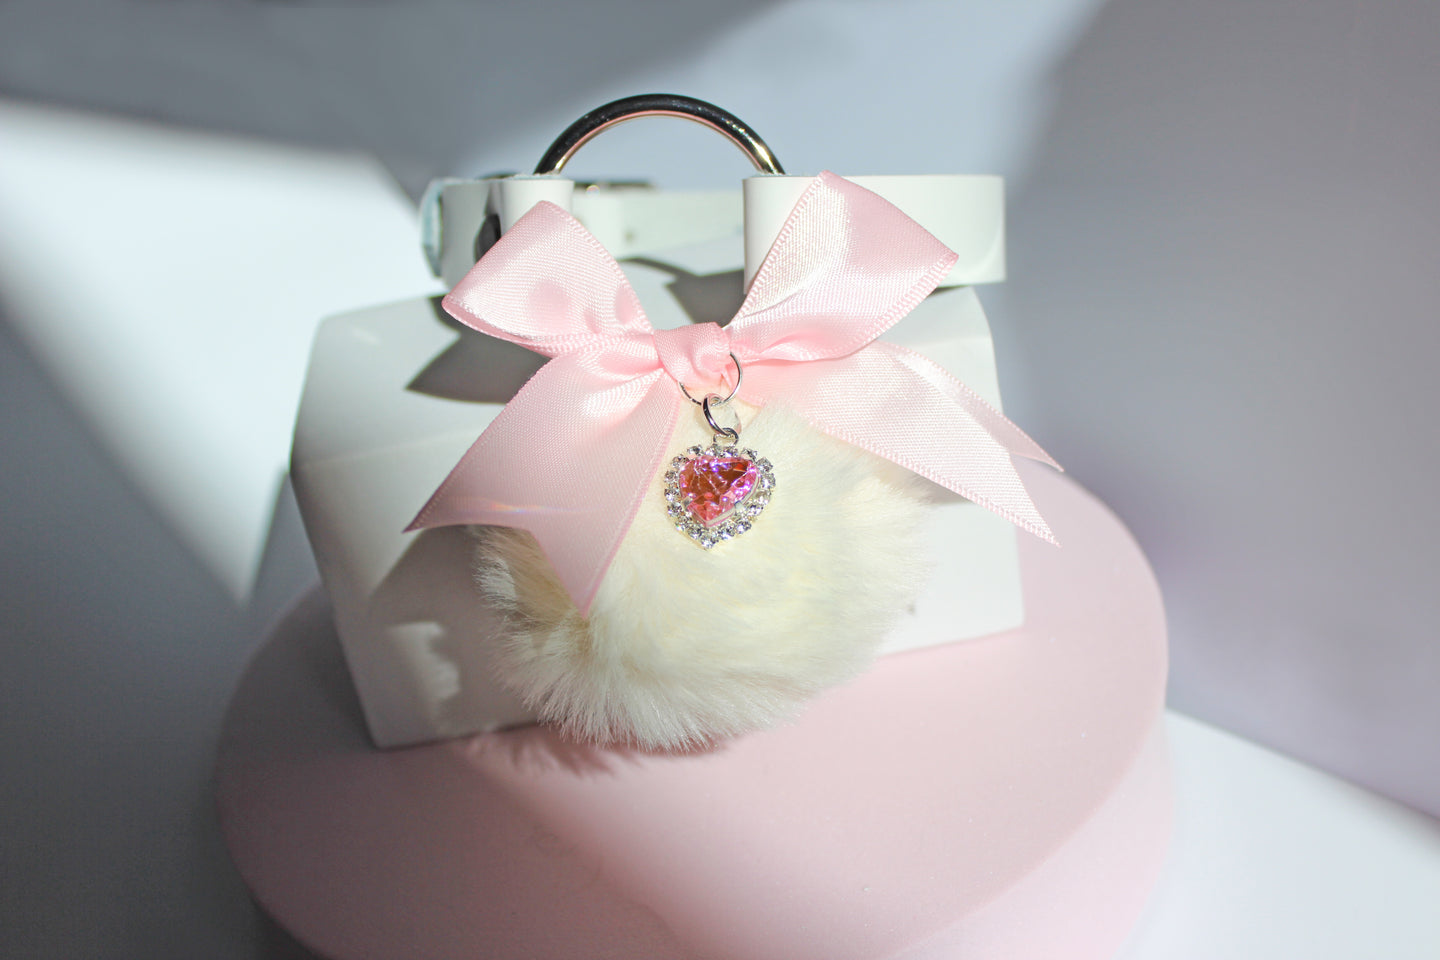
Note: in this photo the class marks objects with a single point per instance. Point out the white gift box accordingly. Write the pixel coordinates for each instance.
(396, 394)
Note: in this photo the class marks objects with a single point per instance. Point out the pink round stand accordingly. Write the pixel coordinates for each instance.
(1002, 797)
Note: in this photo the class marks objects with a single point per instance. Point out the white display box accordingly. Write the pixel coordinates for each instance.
(396, 394)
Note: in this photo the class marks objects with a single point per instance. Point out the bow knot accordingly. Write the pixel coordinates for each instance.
(846, 266)
(696, 356)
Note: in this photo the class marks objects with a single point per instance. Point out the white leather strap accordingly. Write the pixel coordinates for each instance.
(967, 214)
(627, 220)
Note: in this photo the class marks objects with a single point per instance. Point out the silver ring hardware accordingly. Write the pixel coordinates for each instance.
(719, 401)
(657, 105)
(730, 433)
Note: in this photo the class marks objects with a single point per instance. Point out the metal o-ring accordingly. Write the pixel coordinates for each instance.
(719, 401)
(731, 432)
(657, 105)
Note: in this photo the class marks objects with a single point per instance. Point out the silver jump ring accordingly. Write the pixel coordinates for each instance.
(729, 432)
(739, 379)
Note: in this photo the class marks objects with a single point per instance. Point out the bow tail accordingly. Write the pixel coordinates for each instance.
(908, 409)
(569, 458)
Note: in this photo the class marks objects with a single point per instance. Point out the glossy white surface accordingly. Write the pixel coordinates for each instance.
(1273, 859)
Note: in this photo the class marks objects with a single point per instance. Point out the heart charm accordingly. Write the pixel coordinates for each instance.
(714, 493)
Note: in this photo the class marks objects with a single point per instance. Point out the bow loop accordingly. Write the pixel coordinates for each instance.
(553, 288)
(845, 267)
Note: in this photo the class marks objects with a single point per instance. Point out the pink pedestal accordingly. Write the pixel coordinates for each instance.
(1003, 797)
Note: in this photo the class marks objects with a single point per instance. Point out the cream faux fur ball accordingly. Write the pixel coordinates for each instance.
(684, 646)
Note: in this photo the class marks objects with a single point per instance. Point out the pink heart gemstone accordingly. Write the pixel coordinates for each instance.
(713, 486)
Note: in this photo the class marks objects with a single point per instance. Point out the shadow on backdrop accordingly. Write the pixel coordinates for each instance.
(1222, 304)
(418, 91)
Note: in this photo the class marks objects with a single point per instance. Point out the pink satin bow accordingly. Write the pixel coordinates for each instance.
(572, 455)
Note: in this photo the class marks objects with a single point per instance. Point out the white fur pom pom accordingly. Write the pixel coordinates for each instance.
(684, 646)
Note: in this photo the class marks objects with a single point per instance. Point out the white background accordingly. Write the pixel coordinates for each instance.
(1221, 316)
